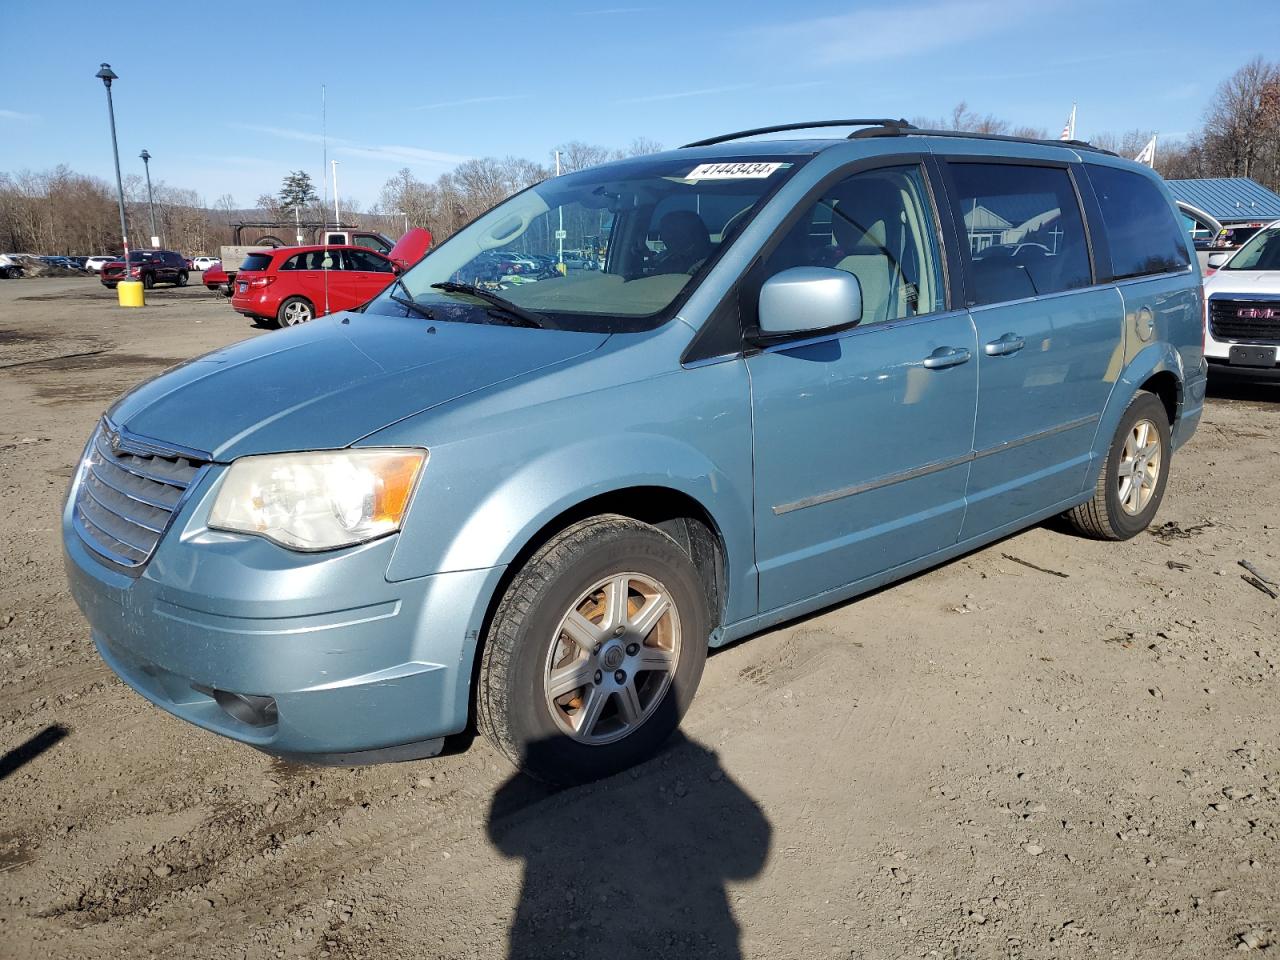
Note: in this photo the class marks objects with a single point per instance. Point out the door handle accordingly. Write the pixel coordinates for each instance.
(1009, 343)
(946, 357)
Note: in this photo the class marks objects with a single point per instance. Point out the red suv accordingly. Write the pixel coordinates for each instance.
(291, 285)
(149, 266)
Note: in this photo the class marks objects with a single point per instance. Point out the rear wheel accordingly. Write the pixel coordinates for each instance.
(595, 651)
(183, 276)
(1131, 485)
(294, 311)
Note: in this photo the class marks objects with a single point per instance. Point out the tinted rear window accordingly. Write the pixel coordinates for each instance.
(1143, 232)
(256, 261)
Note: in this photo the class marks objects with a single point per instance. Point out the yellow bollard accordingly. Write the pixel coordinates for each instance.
(130, 293)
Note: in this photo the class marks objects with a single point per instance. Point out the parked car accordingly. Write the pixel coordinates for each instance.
(1242, 315)
(11, 267)
(95, 264)
(79, 262)
(291, 285)
(62, 263)
(534, 506)
(204, 263)
(216, 279)
(149, 266)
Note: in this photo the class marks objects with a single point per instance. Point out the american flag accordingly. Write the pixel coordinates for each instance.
(1069, 128)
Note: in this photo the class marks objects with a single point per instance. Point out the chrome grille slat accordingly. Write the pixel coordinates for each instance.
(152, 525)
(128, 462)
(126, 497)
(150, 497)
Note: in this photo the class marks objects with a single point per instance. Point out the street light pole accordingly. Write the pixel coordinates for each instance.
(106, 75)
(151, 203)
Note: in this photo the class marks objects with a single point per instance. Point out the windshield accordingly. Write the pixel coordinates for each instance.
(607, 249)
(1262, 252)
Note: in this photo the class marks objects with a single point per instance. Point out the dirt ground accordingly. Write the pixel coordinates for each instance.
(989, 760)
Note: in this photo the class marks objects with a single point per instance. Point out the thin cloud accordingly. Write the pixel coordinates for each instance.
(341, 145)
(471, 100)
(682, 94)
(16, 115)
(286, 133)
(866, 36)
(402, 154)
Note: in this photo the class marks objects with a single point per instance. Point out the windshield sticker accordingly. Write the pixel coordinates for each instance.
(732, 171)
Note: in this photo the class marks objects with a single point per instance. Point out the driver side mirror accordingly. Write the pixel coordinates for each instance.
(809, 300)
(1218, 259)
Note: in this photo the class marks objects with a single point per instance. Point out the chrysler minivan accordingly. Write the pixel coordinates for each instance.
(807, 368)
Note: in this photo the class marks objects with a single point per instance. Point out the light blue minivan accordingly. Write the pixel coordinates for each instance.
(524, 492)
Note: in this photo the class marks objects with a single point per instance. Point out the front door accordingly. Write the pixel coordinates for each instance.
(1048, 340)
(863, 437)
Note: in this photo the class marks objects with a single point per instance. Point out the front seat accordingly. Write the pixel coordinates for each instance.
(867, 225)
(686, 240)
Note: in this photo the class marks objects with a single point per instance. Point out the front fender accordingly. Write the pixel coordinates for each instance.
(506, 466)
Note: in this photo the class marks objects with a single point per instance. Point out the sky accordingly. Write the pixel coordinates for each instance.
(226, 97)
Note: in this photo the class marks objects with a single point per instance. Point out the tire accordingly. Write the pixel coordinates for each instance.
(529, 642)
(1109, 515)
(294, 311)
(183, 277)
(148, 281)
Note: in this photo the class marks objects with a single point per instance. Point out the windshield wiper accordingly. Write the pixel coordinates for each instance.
(408, 302)
(527, 317)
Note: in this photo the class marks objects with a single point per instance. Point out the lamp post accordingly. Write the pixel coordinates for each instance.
(151, 203)
(106, 75)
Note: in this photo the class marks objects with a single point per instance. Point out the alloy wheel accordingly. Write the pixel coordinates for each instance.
(612, 659)
(1139, 469)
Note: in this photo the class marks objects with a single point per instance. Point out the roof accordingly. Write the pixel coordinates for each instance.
(1228, 199)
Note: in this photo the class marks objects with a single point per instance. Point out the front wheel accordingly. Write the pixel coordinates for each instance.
(294, 311)
(1131, 485)
(148, 281)
(595, 651)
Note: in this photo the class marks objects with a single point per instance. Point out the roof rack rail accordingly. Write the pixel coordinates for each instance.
(970, 135)
(896, 126)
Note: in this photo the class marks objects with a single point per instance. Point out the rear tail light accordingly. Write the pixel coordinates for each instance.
(259, 282)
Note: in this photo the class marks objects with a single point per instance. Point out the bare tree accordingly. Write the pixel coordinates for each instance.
(1242, 123)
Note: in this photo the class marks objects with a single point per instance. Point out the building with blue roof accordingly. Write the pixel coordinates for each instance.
(1230, 200)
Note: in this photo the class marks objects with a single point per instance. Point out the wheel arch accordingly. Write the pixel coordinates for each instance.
(677, 513)
(1156, 369)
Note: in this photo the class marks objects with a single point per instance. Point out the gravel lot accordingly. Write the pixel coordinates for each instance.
(987, 761)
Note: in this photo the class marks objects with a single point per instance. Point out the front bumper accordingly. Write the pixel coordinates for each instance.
(352, 662)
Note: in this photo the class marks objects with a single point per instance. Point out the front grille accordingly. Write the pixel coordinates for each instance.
(1251, 320)
(127, 495)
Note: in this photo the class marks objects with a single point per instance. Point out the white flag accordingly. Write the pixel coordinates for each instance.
(1148, 154)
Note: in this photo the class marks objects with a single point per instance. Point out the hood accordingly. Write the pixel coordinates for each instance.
(326, 384)
(1251, 282)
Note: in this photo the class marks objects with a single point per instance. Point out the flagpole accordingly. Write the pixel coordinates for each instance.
(1073, 121)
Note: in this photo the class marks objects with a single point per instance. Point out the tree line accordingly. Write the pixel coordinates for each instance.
(60, 211)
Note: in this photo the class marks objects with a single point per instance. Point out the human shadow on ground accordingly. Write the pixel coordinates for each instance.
(634, 866)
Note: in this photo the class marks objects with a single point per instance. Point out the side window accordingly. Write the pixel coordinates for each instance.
(878, 226)
(365, 262)
(294, 262)
(369, 243)
(1141, 228)
(1024, 233)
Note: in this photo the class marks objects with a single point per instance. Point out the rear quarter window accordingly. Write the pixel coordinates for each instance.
(1142, 231)
(256, 261)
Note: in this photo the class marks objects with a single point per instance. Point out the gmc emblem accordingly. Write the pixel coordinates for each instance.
(1257, 313)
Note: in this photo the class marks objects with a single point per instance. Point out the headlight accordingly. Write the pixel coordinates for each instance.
(318, 501)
